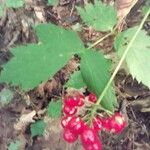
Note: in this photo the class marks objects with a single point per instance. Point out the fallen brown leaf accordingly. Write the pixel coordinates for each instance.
(123, 8)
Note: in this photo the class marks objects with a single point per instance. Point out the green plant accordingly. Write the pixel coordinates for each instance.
(38, 128)
(14, 145)
(10, 4)
(52, 2)
(34, 63)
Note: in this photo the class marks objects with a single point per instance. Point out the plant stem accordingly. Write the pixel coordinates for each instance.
(119, 64)
(100, 40)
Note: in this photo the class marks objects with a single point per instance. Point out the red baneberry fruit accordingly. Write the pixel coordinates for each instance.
(69, 136)
(65, 120)
(76, 125)
(88, 136)
(69, 110)
(71, 101)
(81, 102)
(106, 124)
(117, 123)
(97, 145)
(97, 123)
(92, 97)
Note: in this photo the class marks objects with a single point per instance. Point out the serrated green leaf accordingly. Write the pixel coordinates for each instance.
(54, 109)
(95, 72)
(35, 63)
(6, 96)
(14, 3)
(76, 81)
(14, 145)
(37, 128)
(138, 57)
(100, 16)
(52, 2)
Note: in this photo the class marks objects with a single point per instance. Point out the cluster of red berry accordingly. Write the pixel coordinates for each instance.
(74, 126)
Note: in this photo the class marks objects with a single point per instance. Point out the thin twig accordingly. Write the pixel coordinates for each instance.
(100, 40)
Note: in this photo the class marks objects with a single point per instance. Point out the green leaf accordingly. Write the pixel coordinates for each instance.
(6, 96)
(52, 2)
(14, 3)
(145, 8)
(76, 81)
(35, 63)
(100, 16)
(14, 145)
(38, 128)
(95, 72)
(138, 57)
(77, 27)
(2, 10)
(54, 109)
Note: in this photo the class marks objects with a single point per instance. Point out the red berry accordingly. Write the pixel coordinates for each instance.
(97, 123)
(65, 120)
(81, 102)
(97, 145)
(69, 110)
(88, 136)
(69, 136)
(117, 123)
(92, 97)
(76, 125)
(72, 101)
(106, 124)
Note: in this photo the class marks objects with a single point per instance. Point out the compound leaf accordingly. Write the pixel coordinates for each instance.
(95, 72)
(138, 57)
(35, 63)
(38, 128)
(76, 81)
(100, 16)
(54, 109)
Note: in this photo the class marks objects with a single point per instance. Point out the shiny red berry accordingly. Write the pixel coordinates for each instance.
(97, 123)
(117, 123)
(69, 110)
(92, 97)
(106, 124)
(97, 145)
(69, 136)
(72, 101)
(81, 102)
(76, 125)
(88, 136)
(65, 120)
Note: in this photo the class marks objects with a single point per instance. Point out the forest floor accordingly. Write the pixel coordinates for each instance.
(134, 99)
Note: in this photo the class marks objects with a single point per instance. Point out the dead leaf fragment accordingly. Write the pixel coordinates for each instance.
(24, 120)
(123, 8)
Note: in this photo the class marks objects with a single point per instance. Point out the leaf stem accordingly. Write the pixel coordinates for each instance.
(119, 64)
(100, 40)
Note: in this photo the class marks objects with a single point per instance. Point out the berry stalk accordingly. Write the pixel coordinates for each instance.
(93, 112)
